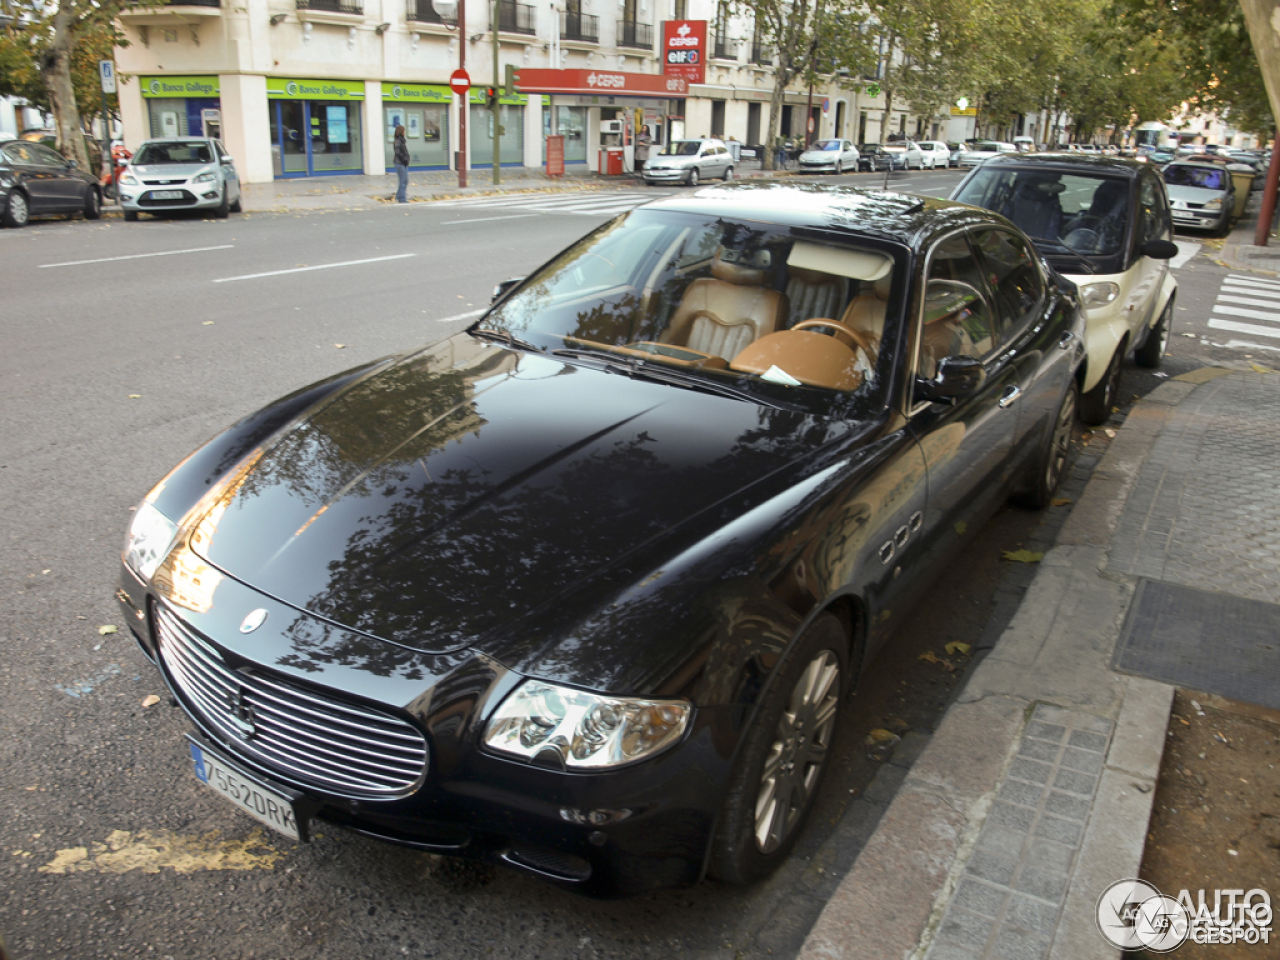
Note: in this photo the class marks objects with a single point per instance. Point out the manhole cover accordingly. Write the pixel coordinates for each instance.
(1203, 640)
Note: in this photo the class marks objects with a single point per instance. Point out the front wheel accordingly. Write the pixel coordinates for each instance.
(16, 212)
(1152, 351)
(784, 756)
(1095, 406)
(92, 205)
(1052, 460)
(692, 179)
(224, 207)
(839, 168)
(131, 216)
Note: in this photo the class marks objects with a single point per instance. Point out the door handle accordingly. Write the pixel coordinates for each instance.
(1067, 339)
(1010, 395)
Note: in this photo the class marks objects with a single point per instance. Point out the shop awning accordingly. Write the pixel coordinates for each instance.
(608, 83)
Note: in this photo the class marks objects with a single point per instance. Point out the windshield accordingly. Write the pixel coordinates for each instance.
(680, 148)
(723, 299)
(1087, 213)
(177, 152)
(826, 145)
(1180, 175)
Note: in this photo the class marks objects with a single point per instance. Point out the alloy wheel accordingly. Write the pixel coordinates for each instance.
(794, 763)
(1060, 444)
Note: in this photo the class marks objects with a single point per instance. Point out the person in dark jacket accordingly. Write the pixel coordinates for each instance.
(400, 152)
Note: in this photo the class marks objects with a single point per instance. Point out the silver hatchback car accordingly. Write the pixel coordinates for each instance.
(180, 173)
(689, 161)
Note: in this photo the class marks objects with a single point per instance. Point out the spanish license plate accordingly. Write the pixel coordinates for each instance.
(166, 194)
(275, 807)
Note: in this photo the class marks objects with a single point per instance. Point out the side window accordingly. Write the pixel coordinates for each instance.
(41, 154)
(1154, 211)
(17, 153)
(1014, 277)
(957, 317)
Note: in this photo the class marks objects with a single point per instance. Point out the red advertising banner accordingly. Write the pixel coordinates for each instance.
(600, 82)
(555, 156)
(684, 49)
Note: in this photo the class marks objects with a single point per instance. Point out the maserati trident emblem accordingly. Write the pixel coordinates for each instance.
(240, 713)
(253, 621)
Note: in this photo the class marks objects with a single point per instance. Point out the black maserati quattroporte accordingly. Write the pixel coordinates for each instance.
(582, 589)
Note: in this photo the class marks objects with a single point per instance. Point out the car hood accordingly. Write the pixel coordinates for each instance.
(1193, 194)
(661, 161)
(467, 486)
(821, 155)
(172, 171)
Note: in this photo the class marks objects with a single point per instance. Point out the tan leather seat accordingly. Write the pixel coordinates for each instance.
(803, 355)
(733, 307)
(813, 294)
(866, 313)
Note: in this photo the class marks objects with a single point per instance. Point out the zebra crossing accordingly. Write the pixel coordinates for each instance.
(594, 203)
(1248, 306)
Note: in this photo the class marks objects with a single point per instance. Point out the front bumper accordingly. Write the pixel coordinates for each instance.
(678, 175)
(603, 835)
(1197, 219)
(195, 196)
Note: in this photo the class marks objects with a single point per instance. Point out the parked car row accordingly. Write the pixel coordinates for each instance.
(167, 174)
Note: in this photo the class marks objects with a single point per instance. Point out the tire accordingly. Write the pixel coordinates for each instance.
(784, 756)
(728, 174)
(692, 179)
(839, 168)
(109, 191)
(1095, 406)
(16, 212)
(236, 207)
(131, 216)
(223, 208)
(1151, 353)
(1051, 461)
(92, 205)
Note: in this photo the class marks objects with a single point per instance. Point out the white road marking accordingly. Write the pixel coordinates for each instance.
(1242, 312)
(515, 216)
(322, 266)
(137, 256)
(461, 316)
(1249, 328)
(1253, 301)
(1186, 251)
(1253, 281)
(587, 204)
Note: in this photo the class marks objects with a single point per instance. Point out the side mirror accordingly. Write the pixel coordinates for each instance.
(502, 289)
(1159, 249)
(957, 378)
(228, 161)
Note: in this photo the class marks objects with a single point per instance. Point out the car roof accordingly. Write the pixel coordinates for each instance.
(1063, 162)
(882, 214)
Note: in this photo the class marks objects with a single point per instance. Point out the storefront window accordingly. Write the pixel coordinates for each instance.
(312, 134)
(512, 141)
(571, 123)
(426, 132)
(183, 117)
(335, 136)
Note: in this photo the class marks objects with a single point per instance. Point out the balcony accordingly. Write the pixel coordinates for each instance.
(724, 49)
(637, 35)
(421, 11)
(759, 55)
(517, 18)
(187, 12)
(579, 27)
(350, 7)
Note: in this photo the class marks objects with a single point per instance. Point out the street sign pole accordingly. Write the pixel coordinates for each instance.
(495, 110)
(107, 71)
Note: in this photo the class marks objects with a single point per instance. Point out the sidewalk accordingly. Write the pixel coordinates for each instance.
(363, 191)
(1036, 790)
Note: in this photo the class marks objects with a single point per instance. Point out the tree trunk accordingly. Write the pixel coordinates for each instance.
(775, 120)
(1263, 20)
(55, 70)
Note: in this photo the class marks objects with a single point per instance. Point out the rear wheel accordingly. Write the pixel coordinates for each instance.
(1095, 406)
(785, 754)
(1152, 351)
(728, 174)
(16, 212)
(839, 168)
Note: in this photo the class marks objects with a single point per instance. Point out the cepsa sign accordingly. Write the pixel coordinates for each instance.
(684, 49)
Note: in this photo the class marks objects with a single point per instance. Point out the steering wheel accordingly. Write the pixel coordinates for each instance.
(1086, 221)
(847, 335)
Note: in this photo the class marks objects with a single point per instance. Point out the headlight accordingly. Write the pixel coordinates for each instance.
(206, 177)
(150, 536)
(128, 178)
(1098, 294)
(1214, 204)
(584, 730)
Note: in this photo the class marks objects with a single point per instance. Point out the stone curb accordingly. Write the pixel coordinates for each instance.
(895, 900)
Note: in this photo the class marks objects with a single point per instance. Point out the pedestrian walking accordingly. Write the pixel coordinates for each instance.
(400, 153)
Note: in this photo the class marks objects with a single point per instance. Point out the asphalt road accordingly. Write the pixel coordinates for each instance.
(127, 345)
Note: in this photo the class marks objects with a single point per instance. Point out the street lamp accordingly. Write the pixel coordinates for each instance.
(456, 10)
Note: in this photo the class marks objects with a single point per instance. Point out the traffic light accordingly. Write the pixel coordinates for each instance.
(510, 87)
(490, 97)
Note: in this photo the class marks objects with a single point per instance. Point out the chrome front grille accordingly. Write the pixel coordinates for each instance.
(308, 738)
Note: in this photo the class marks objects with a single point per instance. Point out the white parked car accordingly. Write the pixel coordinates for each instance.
(975, 153)
(1104, 223)
(1202, 194)
(180, 173)
(935, 153)
(689, 161)
(906, 155)
(835, 156)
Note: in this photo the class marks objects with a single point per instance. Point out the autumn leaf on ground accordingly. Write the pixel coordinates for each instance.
(1023, 556)
(1059, 502)
(955, 646)
(961, 527)
(880, 735)
(135, 396)
(104, 630)
(930, 657)
(150, 701)
(1259, 368)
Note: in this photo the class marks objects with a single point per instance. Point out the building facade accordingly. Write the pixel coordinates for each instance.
(301, 88)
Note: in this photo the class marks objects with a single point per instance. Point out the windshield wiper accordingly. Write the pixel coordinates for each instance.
(638, 367)
(508, 338)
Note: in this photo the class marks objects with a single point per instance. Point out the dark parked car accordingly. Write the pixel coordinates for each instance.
(36, 180)
(873, 157)
(583, 589)
(1104, 222)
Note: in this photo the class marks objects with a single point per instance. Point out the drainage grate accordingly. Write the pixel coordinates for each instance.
(1206, 641)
